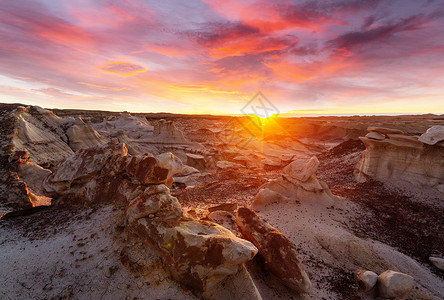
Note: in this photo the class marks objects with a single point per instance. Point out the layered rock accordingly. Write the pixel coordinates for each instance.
(298, 183)
(198, 254)
(41, 133)
(403, 160)
(82, 136)
(279, 253)
(20, 178)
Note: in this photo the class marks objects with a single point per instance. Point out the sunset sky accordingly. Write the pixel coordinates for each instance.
(212, 56)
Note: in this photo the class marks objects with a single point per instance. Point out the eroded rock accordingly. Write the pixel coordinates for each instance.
(198, 254)
(279, 253)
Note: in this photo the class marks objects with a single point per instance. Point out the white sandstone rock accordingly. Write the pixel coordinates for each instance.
(433, 135)
(366, 279)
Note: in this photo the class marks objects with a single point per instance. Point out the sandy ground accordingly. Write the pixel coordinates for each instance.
(60, 254)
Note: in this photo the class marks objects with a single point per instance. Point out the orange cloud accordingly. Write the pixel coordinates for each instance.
(125, 69)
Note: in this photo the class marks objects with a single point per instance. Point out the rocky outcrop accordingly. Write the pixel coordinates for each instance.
(198, 254)
(82, 136)
(166, 132)
(279, 254)
(403, 160)
(108, 173)
(394, 285)
(298, 183)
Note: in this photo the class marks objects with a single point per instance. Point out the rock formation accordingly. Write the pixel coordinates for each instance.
(279, 253)
(136, 128)
(198, 254)
(403, 160)
(298, 183)
(167, 133)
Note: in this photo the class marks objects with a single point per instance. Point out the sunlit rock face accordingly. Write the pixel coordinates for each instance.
(298, 183)
(42, 134)
(403, 160)
(198, 254)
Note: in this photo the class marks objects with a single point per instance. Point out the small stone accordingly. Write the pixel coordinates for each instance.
(384, 130)
(437, 262)
(375, 135)
(366, 279)
(396, 285)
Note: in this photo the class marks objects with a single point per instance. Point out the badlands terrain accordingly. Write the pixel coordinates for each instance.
(105, 205)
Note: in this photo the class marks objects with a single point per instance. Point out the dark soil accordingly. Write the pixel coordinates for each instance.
(400, 220)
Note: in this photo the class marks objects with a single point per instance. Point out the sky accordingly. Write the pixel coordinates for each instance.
(213, 56)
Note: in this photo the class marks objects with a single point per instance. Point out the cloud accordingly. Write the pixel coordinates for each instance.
(352, 39)
(121, 68)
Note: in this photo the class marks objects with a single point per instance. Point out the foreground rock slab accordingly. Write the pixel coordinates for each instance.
(278, 252)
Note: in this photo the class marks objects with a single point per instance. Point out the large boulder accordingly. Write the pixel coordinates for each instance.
(394, 285)
(279, 253)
